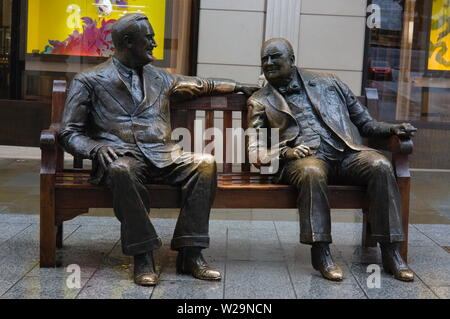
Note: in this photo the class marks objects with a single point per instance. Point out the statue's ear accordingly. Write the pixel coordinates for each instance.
(127, 41)
(293, 59)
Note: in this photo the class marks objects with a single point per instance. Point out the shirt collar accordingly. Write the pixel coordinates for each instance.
(123, 69)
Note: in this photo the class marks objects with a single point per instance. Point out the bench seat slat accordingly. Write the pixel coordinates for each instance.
(235, 190)
(232, 196)
(245, 179)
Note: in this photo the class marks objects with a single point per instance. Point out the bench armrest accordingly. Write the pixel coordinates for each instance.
(393, 144)
(50, 152)
(48, 139)
(400, 149)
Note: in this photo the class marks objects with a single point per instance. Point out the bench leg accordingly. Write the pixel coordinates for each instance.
(59, 236)
(47, 222)
(367, 239)
(404, 185)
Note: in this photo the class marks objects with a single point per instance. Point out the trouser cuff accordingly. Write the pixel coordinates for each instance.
(141, 248)
(387, 239)
(311, 238)
(189, 241)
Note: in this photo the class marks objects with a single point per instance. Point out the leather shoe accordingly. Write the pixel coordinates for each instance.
(323, 261)
(190, 261)
(144, 274)
(393, 262)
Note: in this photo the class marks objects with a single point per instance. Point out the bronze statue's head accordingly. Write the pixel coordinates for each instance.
(278, 61)
(133, 39)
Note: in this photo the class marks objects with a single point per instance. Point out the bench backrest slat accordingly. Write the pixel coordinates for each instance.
(58, 100)
(246, 167)
(209, 124)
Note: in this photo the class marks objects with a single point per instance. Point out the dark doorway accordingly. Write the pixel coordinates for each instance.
(5, 47)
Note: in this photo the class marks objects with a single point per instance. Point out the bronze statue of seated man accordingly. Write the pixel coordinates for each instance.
(117, 114)
(321, 124)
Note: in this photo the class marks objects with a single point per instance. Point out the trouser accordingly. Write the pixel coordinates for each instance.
(126, 178)
(365, 168)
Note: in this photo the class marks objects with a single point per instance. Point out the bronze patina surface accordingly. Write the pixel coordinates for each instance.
(321, 125)
(117, 114)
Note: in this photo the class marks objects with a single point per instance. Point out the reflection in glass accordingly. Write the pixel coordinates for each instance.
(409, 59)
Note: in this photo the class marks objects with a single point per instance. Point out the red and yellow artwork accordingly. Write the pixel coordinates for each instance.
(83, 27)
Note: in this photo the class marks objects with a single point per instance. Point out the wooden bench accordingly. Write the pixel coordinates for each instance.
(66, 193)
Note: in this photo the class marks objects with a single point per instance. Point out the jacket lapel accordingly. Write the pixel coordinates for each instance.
(277, 101)
(110, 80)
(312, 88)
(152, 88)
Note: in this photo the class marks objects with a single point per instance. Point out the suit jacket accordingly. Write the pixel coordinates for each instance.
(100, 111)
(335, 104)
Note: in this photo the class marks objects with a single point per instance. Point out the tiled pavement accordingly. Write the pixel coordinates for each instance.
(259, 260)
(257, 250)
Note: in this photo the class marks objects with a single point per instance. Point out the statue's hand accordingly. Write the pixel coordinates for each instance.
(298, 152)
(404, 130)
(247, 89)
(106, 155)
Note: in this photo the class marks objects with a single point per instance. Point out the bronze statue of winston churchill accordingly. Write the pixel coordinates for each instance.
(117, 114)
(321, 124)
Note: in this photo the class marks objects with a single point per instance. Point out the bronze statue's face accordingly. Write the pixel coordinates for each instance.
(277, 63)
(141, 45)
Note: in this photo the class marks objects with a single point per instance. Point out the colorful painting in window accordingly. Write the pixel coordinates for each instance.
(439, 55)
(83, 27)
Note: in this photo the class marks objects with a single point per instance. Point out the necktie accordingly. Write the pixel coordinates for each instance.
(136, 88)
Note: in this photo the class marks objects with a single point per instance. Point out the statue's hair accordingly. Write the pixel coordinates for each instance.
(285, 42)
(126, 26)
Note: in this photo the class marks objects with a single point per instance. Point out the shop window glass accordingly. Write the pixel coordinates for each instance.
(64, 37)
(409, 60)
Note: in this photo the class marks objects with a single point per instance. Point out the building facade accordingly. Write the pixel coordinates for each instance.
(399, 47)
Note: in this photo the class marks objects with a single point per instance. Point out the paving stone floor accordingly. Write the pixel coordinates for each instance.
(259, 260)
(257, 250)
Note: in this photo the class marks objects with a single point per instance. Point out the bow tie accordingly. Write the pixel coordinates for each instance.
(291, 89)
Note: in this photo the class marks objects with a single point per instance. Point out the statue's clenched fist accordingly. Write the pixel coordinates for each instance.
(404, 130)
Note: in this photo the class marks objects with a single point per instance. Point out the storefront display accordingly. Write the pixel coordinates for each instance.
(414, 83)
(83, 27)
(61, 38)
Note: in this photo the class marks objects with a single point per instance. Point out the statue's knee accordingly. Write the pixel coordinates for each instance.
(382, 164)
(119, 168)
(313, 172)
(207, 163)
(310, 173)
